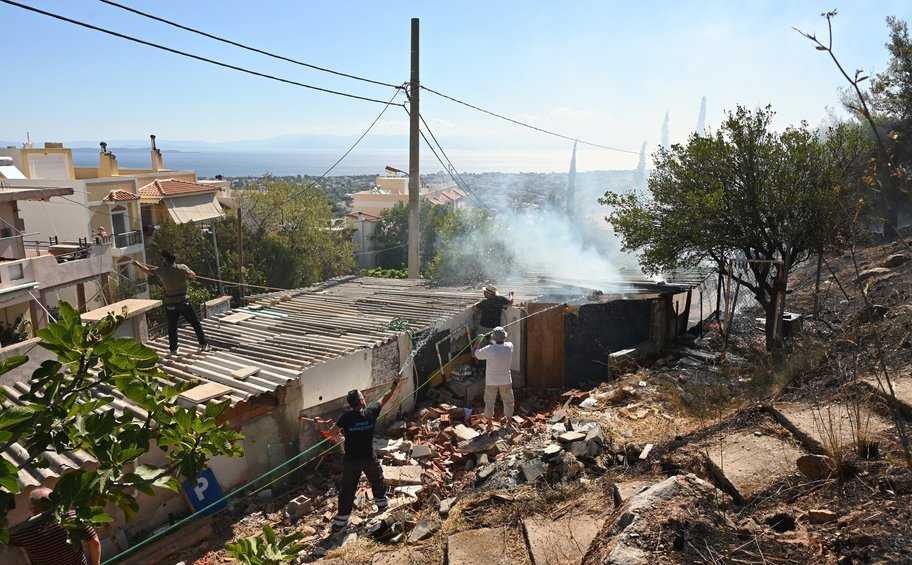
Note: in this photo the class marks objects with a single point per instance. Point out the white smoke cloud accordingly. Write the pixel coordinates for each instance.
(701, 118)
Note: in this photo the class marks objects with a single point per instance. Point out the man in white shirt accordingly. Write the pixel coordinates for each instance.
(498, 380)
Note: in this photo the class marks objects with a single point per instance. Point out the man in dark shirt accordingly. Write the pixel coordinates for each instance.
(46, 542)
(173, 277)
(357, 425)
(491, 308)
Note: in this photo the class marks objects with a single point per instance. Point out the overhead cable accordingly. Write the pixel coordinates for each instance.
(189, 55)
(451, 168)
(350, 149)
(242, 46)
(525, 125)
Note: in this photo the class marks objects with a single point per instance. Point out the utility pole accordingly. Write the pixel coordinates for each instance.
(240, 257)
(218, 263)
(414, 183)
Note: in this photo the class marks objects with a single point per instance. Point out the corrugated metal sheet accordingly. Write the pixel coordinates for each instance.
(284, 333)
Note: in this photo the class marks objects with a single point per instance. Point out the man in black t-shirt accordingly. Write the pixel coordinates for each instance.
(357, 425)
(490, 309)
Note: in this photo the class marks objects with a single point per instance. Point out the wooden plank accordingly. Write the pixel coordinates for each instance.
(544, 347)
(204, 392)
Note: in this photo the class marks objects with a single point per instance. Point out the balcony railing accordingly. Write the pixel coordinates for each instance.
(127, 239)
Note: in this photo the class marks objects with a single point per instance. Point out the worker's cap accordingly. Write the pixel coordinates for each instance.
(489, 288)
(498, 334)
(169, 255)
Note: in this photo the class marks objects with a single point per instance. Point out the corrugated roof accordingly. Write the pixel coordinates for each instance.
(305, 327)
(58, 462)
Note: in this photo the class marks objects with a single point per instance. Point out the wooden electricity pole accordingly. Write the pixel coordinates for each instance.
(240, 257)
(414, 183)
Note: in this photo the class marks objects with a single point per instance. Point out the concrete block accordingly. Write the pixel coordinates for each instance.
(420, 450)
(485, 472)
(298, 507)
(532, 469)
(464, 433)
(578, 448)
(595, 435)
(404, 475)
(477, 445)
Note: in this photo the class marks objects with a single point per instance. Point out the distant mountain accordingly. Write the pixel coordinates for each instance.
(286, 143)
(281, 143)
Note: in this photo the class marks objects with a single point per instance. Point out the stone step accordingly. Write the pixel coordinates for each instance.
(561, 541)
(902, 387)
(823, 429)
(743, 463)
(484, 545)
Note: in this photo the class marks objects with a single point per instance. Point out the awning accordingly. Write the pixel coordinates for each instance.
(193, 208)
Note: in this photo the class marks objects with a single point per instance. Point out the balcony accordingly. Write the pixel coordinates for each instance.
(18, 277)
(127, 243)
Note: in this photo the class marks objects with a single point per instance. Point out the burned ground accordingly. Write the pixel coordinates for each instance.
(687, 457)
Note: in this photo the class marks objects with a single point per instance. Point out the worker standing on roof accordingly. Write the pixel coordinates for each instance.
(490, 308)
(173, 277)
(357, 425)
(498, 379)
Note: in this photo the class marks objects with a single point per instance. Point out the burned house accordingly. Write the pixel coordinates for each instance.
(297, 353)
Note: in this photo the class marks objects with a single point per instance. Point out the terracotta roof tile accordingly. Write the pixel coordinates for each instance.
(367, 217)
(171, 187)
(120, 196)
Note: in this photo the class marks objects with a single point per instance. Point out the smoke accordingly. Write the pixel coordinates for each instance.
(665, 139)
(570, 205)
(701, 117)
(515, 245)
(639, 175)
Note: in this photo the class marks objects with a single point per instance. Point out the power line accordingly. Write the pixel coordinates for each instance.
(525, 125)
(355, 144)
(451, 168)
(189, 55)
(242, 46)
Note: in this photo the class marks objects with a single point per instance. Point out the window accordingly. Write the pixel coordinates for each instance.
(15, 272)
(118, 222)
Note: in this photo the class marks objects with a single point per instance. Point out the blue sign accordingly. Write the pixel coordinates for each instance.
(203, 492)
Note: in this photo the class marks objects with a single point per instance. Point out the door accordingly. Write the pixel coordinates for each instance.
(544, 347)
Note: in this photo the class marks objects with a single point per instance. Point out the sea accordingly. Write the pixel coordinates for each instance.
(208, 164)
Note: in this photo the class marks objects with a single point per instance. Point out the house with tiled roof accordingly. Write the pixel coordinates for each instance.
(388, 190)
(123, 204)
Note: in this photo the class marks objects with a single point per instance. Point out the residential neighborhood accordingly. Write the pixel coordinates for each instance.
(426, 284)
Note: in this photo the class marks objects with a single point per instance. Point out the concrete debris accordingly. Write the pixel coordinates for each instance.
(298, 507)
(445, 506)
(423, 530)
(532, 469)
(568, 437)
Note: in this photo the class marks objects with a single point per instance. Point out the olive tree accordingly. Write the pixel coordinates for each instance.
(744, 192)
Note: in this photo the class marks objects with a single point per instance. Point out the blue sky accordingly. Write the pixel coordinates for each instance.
(603, 71)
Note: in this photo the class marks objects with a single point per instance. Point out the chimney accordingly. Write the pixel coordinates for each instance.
(108, 162)
(157, 162)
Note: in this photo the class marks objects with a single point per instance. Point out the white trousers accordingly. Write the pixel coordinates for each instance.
(506, 396)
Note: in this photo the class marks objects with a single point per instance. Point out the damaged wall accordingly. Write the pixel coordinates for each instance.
(596, 330)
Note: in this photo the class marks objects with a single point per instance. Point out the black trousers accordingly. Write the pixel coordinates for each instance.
(173, 312)
(351, 474)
